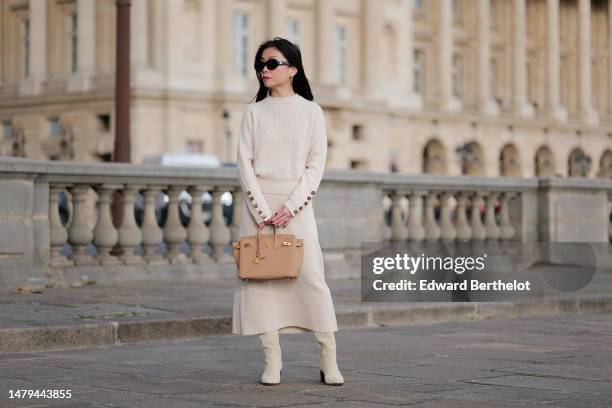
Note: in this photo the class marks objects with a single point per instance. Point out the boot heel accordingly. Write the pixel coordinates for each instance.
(265, 383)
(322, 376)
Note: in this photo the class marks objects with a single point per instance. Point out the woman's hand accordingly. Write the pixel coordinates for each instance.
(281, 217)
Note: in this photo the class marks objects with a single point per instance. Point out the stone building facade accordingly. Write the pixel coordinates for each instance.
(477, 87)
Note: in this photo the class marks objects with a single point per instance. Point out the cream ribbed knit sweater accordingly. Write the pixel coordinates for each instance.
(281, 137)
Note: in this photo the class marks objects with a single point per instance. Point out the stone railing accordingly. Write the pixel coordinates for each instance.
(178, 222)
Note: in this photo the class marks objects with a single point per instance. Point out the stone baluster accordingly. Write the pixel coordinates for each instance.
(399, 231)
(432, 231)
(416, 232)
(80, 234)
(220, 233)
(447, 229)
(493, 231)
(386, 230)
(237, 206)
(130, 235)
(464, 232)
(609, 215)
(57, 231)
(174, 232)
(152, 234)
(478, 230)
(105, 233)
(506, 228)
(197, 231)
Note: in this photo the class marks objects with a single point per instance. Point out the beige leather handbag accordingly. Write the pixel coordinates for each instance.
(268, 256)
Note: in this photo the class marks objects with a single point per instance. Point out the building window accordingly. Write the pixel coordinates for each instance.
(294, 30)
(54, 126)
(456, 5)
(241, 42)
(419, 72)
(494, 19)
(358, 164)
(104, 123)
(193, 146)
(7, 127)
(357, 132)
(340, 54)
(73, 41)
(457, 68)
(25, 47)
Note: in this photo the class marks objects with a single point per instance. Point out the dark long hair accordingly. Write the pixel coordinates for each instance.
(292, 54)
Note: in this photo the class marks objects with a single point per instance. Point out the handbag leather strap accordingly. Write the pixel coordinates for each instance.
(259, 254)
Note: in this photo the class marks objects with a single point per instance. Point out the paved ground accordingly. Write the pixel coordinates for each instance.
(557, 361)
(97, 314)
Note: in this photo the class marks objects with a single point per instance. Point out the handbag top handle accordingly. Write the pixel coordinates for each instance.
(259, 254)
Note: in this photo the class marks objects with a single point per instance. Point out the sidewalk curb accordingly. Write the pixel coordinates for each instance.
(360, 316)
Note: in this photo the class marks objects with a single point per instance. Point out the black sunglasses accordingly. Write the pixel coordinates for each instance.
(271, 64)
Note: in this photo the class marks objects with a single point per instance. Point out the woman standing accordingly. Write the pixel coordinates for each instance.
(282, 149)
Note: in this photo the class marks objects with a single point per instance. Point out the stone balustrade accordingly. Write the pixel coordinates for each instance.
(39, 244)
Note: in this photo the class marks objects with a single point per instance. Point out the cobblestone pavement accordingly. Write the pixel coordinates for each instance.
(554, 361)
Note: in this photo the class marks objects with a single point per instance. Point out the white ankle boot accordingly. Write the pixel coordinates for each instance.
(274, 364)
(330, 374)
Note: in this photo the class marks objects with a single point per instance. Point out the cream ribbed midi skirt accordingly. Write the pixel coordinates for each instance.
(287, 305)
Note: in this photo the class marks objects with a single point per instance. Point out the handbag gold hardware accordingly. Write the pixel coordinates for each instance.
(282, 261)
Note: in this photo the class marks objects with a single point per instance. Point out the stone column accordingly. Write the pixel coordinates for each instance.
(80, 234)
(38, 49)
(464, 232)
(587, 111)
(386, 229)
(174, 232)
(506, 227)
(478, 231)
(522, 107)
(173, 37)
(197, 231)
(432, 231)
(448, 101)
(57, 232)
(405, 95)
(372, 68)
(609, 58)
(324, 37)
(105, 233)
(416, 231)
(86, 46)
(139, 22)
(152, 234)
(399, 230)
(556, 110)
(276, 18)
(487, 105)
(2, 55)
(130, 235)
(220, 232)
(493, 230)
(447, 229)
